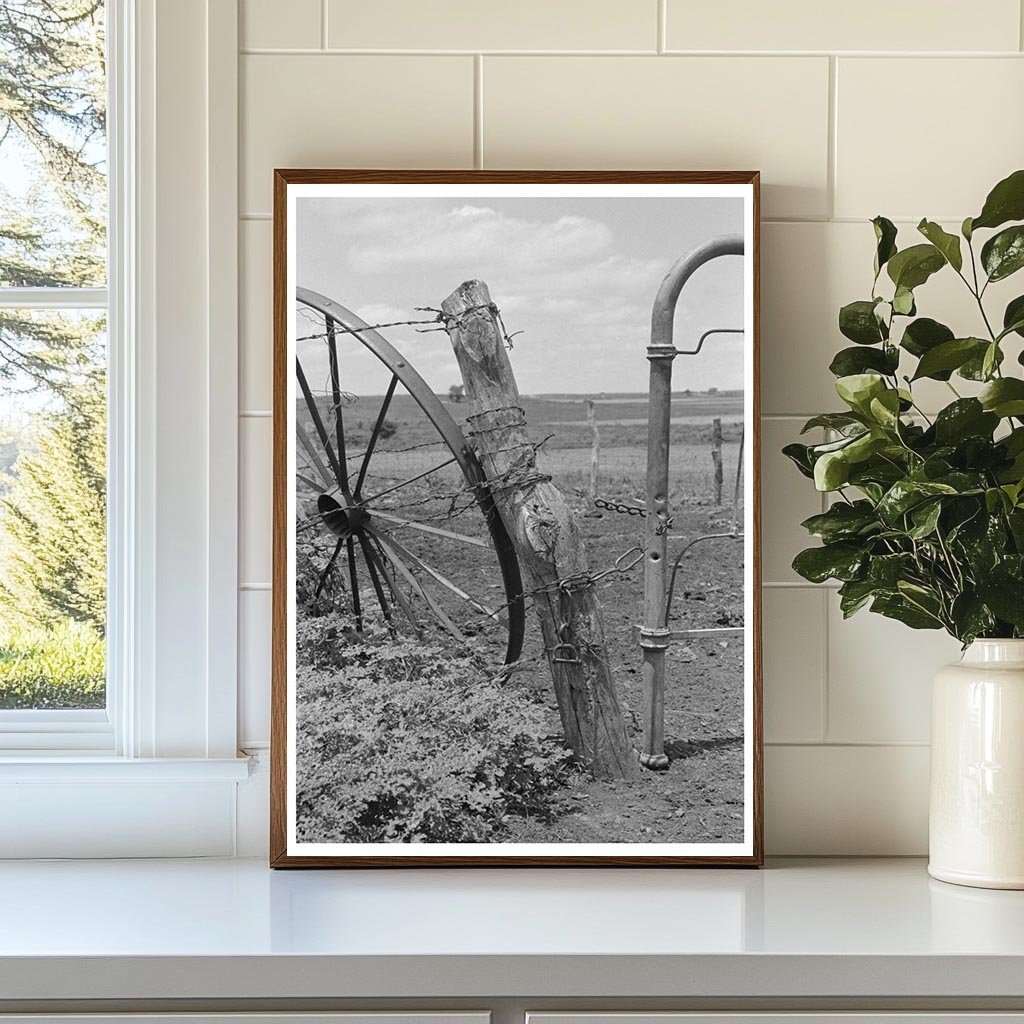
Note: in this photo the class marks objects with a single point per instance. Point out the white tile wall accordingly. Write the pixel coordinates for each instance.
(906, 109)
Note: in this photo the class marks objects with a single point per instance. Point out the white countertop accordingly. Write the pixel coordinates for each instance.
(234, 929)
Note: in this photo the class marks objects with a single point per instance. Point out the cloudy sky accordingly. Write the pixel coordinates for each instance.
(576, 276)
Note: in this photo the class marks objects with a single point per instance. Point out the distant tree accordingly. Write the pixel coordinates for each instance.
(456, 393)
(53, 519)
(53, 234)
(712, 391)
(53, 123)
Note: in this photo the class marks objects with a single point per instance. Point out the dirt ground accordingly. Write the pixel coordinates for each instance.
(700, 797)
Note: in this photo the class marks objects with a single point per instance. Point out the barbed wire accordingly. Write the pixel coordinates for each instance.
(441, 321)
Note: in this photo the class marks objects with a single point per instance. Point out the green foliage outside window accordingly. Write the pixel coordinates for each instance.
(52, 365)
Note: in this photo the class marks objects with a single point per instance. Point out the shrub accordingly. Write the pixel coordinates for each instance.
(408, 741)
(59, 667)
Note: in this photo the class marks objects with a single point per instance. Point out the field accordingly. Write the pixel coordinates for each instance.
(700, 797)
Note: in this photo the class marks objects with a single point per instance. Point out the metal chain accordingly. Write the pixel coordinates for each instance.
(611, 505)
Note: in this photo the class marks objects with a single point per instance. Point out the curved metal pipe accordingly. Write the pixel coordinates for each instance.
(654, 637)
(663, 314)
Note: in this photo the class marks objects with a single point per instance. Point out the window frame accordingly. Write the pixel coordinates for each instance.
(79, 729)
(172, 444)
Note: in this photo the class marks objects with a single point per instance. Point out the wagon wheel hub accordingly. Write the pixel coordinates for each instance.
(342, 519)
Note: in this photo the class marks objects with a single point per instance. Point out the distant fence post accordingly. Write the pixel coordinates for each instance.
(716, 456)
(595, 446)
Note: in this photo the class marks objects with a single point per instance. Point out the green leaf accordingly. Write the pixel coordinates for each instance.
(897, 607)
(843, 521)
(966, 417)
(970, 617)
(854, 594)
(903, 302)
(947, 244)
(1004, 397)
(887, 570)
(1013, 317)
(992, 358)
(975, 367)
(885, 237)
(965, 229)
(923, 335)
(799, 455)
(857, 321)
(911, 267)
(1003, 254)
(925, 518)
(831, 471)
(1005, 596)
(948, 356)
(840, 561)
(907, 494)
(1005, 202)
(854, 360)
(841, 421)
(858, 389)
(885, 409)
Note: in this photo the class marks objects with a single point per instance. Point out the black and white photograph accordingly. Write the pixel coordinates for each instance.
(515, 552)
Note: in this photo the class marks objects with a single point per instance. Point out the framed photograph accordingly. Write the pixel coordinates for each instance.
(516, 612)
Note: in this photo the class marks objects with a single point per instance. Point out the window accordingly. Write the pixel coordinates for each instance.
(118, 262)
(53, 368)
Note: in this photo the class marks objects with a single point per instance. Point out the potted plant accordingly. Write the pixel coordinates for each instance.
(926, 524)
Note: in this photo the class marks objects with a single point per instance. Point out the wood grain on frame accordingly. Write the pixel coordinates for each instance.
(279, 856)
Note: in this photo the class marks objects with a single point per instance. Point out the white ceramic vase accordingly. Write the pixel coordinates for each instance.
(976, 814)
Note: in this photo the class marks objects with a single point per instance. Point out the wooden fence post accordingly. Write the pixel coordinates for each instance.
(546, 537)
(716, 456)
(595, 446)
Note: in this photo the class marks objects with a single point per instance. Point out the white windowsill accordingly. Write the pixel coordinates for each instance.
(78, 766)
(196, 931)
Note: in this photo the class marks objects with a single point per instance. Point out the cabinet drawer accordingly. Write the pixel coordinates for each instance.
(785, 1017)
(360, 1017)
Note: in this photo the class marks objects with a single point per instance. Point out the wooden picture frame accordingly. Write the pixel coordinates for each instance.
(343, 517)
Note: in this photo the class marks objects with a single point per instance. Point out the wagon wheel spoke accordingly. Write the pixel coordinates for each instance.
(417, 587)
(405, 483)
(384, 565)
(353, 580)
(388, 539)
(372, 444)
(313, 455)
(328, 567)
(437, 531)
(318, 422)
(339, 420)
(311, 484)
(371, 563)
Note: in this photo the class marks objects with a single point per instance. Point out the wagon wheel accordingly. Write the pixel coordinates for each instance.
(386, 542)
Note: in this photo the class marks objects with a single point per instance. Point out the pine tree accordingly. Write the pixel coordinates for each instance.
(52, 543)
(52, 125)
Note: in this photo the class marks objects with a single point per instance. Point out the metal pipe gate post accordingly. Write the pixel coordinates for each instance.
(655, 635)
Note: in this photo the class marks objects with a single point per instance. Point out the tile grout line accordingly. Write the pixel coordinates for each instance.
(1020, 24)
(831, 170)
(851, 744)
(662, 28)
(323, 25)
(824, 723)
(478, 111)
(768, 55)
